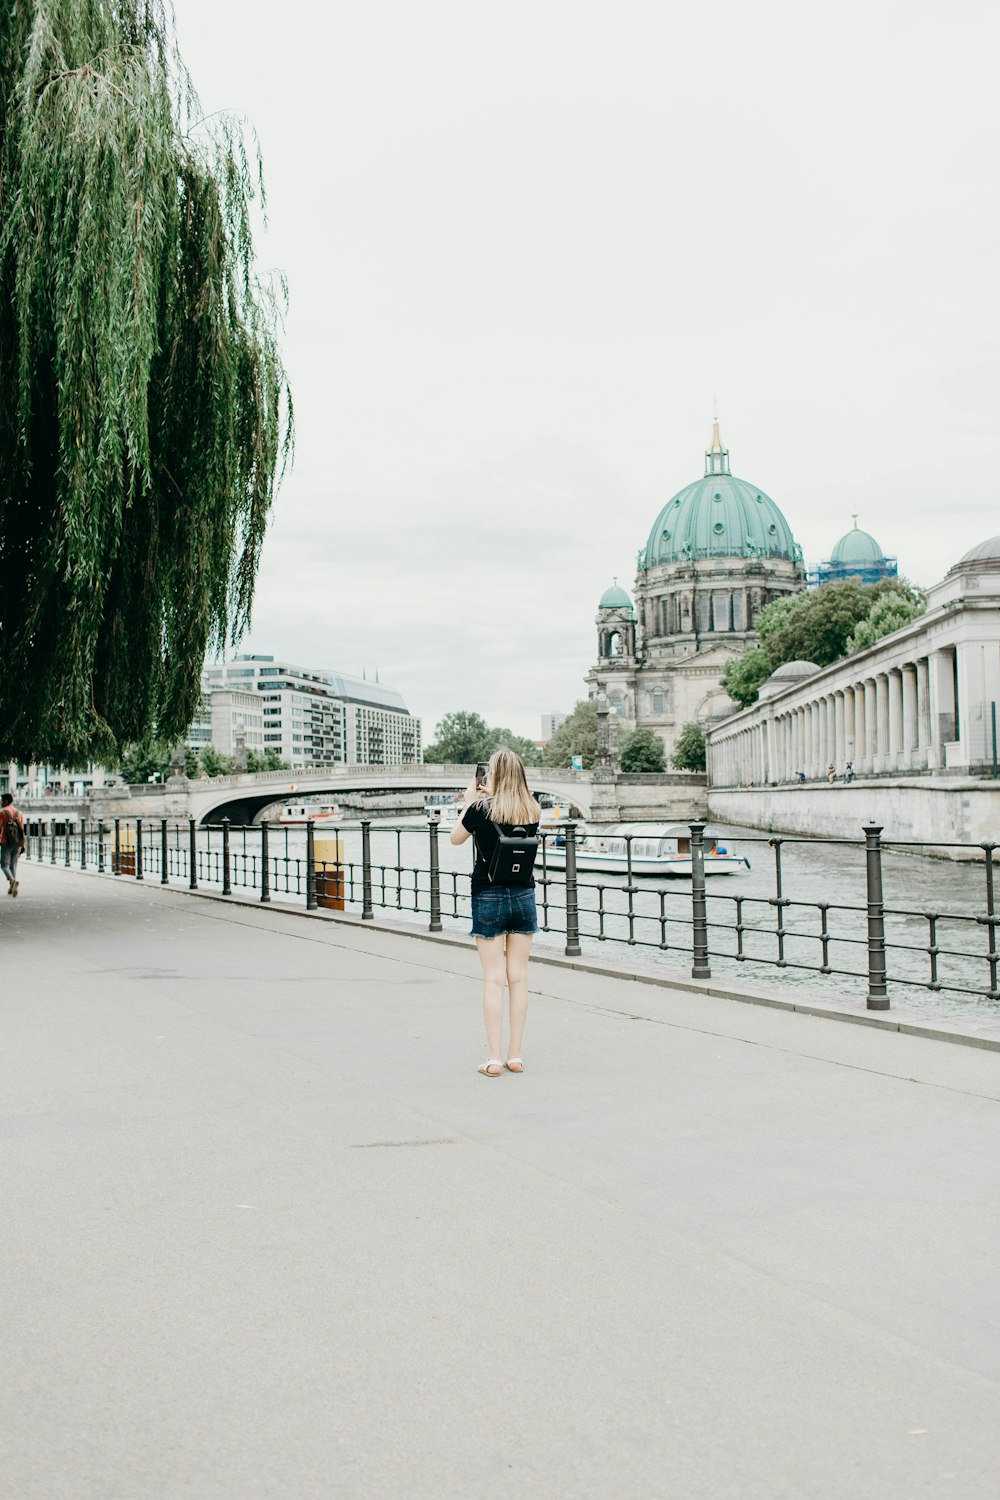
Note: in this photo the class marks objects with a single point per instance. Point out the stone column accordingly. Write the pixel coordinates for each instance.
(840, 731)
(895, 718)
(867, 743)
(909, 686)
(923, 711)
(882, 753)
(941, 678)
(850, 725)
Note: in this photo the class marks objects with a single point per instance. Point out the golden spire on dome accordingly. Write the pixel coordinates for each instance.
(717, 456)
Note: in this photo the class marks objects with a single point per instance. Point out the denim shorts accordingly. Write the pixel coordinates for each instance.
(503, 908)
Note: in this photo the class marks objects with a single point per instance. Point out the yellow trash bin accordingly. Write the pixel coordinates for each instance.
(329, 864)
(126, 852)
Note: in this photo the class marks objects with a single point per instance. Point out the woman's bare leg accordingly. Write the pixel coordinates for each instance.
(518, 953)
(491, 957)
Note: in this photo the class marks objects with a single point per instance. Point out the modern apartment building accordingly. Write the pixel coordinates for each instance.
(315, 718)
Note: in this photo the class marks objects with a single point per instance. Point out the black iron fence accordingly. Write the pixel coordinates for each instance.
(867, 941)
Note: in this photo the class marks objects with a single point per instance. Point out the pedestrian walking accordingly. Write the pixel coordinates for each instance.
(12, 841)
(502, 817)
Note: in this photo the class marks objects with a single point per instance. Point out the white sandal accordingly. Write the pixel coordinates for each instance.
(514, 1065)
(491, 1062)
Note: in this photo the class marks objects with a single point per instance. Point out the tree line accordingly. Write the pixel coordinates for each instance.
(463, 738)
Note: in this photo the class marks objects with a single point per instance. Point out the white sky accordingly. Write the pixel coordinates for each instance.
(528, 244)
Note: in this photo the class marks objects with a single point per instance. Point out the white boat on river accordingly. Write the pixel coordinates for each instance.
(656, 849)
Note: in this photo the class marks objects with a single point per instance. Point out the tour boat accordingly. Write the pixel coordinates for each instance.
(319, 814)
(656, 850)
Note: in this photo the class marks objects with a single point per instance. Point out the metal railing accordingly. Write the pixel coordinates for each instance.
(864, 940)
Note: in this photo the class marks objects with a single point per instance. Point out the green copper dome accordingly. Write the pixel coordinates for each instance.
(857, 547)
(719, 516)
(615, 598)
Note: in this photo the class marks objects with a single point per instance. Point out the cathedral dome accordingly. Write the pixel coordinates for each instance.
(720, 516)
(615, 598)
(985, 552)
(858, 547)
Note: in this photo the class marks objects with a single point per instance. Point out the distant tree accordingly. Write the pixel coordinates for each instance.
(642, 750)
(891, 611)
(215, 764)
(744, 675)
(576, 735)
(143, 762)
(460, 739)
(269, 760)
(689, 749)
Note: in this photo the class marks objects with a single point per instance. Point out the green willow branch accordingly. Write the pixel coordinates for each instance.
(145, 416)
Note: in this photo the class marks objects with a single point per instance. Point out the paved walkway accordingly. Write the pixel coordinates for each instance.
(268, 1236)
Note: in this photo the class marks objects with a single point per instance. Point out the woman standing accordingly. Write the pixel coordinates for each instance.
(503, 916)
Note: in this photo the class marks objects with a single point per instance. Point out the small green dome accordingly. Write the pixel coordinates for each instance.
(615, 598)
(858, 548)
(720, 516)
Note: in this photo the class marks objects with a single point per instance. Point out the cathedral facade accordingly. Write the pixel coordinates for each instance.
(719, 551)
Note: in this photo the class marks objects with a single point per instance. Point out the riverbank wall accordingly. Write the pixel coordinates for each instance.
(938, 810)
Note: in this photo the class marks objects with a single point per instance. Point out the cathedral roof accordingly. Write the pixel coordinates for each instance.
(720, 516)
(615, 598)
(857, 547)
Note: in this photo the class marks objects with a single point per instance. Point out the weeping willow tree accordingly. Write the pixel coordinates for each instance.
(144, 411)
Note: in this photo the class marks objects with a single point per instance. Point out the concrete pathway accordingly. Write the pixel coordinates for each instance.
(269, 1236)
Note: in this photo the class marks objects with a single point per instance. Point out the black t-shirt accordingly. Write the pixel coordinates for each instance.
(486, 837)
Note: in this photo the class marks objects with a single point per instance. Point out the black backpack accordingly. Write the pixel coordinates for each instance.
(514, 856)
(13, 832)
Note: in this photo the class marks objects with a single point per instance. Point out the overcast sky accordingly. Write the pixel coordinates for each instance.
(529, 244)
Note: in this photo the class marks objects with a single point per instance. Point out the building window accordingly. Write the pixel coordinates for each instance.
(657, 703)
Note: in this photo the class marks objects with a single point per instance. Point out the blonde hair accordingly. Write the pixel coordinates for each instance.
(510, 800)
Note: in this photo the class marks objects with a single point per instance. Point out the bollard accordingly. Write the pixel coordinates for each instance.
(435, 875)
(572, 949)
(878, 997)
(265, 873)
(328, 862)
(83, 843)
(227, 889)
(116, 853)
(699, 910)
(192, 855)
(310, 866)
(138, 848)
(367, 915)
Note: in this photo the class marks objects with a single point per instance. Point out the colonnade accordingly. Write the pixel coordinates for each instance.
(896, 720)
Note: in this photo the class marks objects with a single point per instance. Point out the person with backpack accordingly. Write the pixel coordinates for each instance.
(12, 841)
(502, 817)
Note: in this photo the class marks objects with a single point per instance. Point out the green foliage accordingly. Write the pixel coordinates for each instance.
(821, 625)
(270, 760)
(744, 675)
(463, 738)
(144, 412)
(576, 735)
(689, 749)
(889, 612)
(215, 764)
(642, 750)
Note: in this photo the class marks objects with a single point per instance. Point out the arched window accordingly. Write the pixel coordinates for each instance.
(657, 702)
(615, 647)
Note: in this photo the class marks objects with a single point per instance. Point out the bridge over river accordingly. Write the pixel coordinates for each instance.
(267, 1233)
(246, 797)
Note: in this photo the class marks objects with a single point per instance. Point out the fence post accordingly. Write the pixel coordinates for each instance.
(100, 846)
(572, 949)
(116, 860)
(227, 889)
(878, 998)
(164, 853)
(310, 866)
(192, 855)
(66, 828)
(265, 873)
(138, 849)
(367, 915)
(83, 843)
(52, 845)
(435, 874)
(699, 909)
